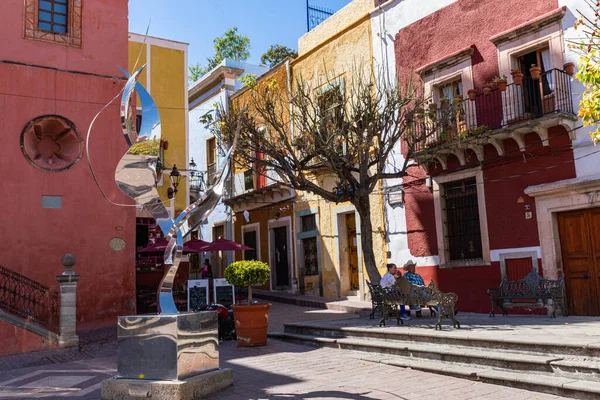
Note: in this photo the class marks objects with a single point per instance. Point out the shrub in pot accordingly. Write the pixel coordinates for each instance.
(535, 71)
(472, 94)
(487, 88)
(517, 76)
(569, 68)
(251, 320)
(501, 83)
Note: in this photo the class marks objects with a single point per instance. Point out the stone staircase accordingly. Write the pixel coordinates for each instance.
(560, 367)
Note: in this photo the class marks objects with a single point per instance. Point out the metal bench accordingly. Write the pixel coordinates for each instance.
(376, 304)
(531, 287)
(405, 293)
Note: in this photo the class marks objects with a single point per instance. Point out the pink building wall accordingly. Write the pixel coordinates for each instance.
(462, 24)
(33, 238)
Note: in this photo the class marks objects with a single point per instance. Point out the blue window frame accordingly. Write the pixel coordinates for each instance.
(53, 15)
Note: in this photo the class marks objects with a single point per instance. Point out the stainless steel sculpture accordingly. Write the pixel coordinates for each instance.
(136, 176)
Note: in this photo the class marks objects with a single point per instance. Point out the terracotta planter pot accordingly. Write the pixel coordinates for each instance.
(472, 94)
(251, 323)
(536, 72)
(501, 84)
(518, 78)
(487, 90)
(569, 68)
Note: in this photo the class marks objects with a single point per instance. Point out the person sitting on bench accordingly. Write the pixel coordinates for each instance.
(389, 280)
(414, 278)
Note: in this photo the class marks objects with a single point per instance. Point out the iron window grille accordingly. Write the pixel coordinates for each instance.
(248, 180)
(311, 263)
(309, 223)
(53, 15)
(463, 232)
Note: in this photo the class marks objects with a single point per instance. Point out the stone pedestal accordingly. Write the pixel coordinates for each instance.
(193, 388)
(68, 303)
(167, 356)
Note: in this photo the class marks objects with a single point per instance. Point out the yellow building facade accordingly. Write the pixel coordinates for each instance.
(166, 79)
(336, 51)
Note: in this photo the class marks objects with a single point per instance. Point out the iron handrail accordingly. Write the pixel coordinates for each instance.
(28, 299)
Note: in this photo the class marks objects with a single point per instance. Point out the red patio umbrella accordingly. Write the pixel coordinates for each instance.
(224, 245)
(161, 245)
(195, 244)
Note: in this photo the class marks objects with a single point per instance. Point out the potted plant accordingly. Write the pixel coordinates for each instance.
(501, 83)
(251, 320)
(517, 76)
(569, 68)
(472, 94)
(535, 72)
(487, 88)
(458, 99)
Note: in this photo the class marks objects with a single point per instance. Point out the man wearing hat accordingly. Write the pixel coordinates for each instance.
(411, 275)
(414, 278)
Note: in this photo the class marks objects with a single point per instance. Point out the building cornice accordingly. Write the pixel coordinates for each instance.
(529, 27)
(576, 185)
(446, 62)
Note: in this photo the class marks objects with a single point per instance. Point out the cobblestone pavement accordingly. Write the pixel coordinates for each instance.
(279, 370)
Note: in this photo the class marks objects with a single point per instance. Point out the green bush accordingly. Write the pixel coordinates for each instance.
(247, 273)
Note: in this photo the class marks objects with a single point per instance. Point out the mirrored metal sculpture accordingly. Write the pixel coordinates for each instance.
(136, 176)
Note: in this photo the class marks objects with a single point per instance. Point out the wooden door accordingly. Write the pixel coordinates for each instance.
(282, 268)
(580, 246)
(352, 251)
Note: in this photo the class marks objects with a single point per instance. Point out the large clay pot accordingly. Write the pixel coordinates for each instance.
(251, 323)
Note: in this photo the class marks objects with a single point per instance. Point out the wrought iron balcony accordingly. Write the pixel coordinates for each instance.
(534, 105)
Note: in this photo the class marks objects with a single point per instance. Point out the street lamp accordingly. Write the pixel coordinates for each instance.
(175, 177)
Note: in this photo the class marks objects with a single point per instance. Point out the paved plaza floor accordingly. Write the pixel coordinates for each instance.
(279, 370)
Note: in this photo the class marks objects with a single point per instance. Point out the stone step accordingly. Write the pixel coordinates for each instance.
(575, 388)
(548, 365)
(459, 337)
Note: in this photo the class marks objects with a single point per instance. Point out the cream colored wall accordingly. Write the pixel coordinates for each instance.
(338, 22)
(340, 46)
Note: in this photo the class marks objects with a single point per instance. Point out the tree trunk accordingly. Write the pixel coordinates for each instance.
(363, 207)
(249, 295)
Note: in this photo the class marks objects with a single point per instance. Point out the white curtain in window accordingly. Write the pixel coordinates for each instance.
(449, 93)
(547, 66)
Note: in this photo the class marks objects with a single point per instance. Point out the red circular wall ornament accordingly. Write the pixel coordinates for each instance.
(51, 143)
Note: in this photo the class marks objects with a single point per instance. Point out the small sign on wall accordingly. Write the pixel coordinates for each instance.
(396, 197)
(224, 292)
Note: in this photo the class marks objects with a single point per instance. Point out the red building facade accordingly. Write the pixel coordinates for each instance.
(472, 206)
(58, 64)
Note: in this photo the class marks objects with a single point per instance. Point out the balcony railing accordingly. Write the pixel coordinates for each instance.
(534, 98)
(211, 174)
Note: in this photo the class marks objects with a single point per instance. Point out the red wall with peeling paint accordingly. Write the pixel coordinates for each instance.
(34, 239)
(455, 27)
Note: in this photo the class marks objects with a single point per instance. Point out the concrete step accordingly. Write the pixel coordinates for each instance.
(458, 337)
(466, 360)
(568, 387)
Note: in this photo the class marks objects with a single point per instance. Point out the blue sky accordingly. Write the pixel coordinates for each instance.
(197, 22)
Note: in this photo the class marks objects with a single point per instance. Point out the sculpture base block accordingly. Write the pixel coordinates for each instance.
(167, 347)
(196, 387)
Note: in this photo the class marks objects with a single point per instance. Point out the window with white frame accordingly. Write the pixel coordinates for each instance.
(461, 220)
(463, 234)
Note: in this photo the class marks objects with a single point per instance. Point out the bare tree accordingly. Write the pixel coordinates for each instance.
(344, 129)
